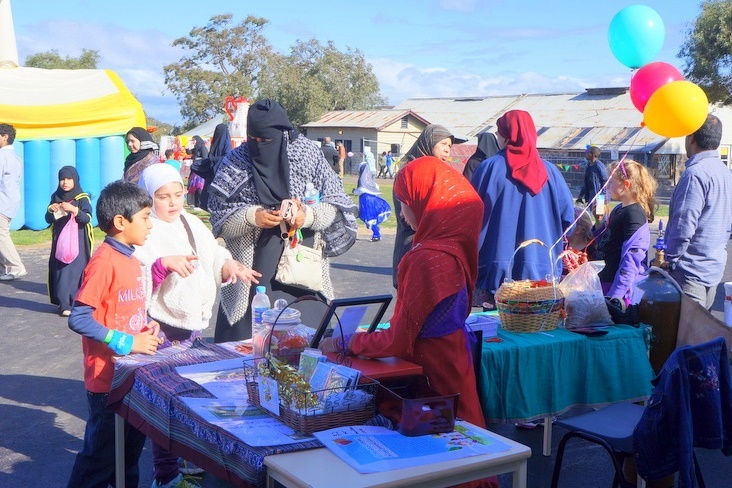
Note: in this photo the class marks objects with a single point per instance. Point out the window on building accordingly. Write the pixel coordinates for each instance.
(405, 122)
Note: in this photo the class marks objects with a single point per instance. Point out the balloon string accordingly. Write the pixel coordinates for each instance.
(620, 166)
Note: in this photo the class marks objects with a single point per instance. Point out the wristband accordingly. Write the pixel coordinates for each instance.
(108, 339)
(121, 343)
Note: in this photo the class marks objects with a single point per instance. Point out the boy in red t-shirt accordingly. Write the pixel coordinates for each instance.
(109, 312)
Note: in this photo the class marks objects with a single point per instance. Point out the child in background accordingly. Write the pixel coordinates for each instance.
(626, 237)
(67, 202)
(109, 313)
(183, 267)
(195, 188)
(373, 209)
(170, 159)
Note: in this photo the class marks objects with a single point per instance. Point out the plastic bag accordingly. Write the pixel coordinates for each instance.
(67, 245)
(584, 302)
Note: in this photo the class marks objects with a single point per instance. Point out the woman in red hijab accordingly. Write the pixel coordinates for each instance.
(435, 281)
(525, 197)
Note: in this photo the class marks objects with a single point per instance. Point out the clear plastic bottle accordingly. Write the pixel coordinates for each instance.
(312, 196)
(260, 304)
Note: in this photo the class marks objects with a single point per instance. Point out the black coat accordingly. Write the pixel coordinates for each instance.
(331, 155)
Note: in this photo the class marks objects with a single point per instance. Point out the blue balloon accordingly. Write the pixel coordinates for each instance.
(636, 35)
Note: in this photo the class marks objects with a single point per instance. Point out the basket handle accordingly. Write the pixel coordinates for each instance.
(524, 244)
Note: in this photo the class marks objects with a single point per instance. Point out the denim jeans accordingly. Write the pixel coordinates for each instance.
(94, 465)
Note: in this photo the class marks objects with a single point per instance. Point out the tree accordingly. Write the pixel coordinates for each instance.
(317, 78)
(220, 60)
(88, 59)
(163, 128)
(707, 50)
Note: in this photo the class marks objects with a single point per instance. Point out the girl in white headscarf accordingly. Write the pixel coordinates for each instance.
(184, 267)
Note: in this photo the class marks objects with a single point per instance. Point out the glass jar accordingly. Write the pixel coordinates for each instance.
(288, 336)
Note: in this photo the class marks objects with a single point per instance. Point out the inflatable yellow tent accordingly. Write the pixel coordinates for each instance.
(62, 117)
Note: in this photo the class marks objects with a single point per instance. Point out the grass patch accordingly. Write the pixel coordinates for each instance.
(26, 237)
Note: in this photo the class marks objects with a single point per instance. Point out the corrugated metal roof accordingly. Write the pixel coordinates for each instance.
(363, 119)
(462, 116)
(568, 121)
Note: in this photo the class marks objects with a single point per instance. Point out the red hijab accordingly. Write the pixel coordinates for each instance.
(527, 167)
(444, 256)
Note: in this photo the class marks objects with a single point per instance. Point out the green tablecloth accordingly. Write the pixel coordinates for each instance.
(528, 376)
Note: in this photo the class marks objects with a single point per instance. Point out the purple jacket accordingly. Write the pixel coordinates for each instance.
(633, 262)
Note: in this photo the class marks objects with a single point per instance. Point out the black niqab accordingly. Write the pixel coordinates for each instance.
(267, 119)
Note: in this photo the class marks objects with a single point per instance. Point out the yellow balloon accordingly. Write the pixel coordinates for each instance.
(676, 109)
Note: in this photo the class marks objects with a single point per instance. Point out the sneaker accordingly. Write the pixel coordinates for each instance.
(375, 239)
(66, 313)
(13, 276)
(179, 481)
(186, 467)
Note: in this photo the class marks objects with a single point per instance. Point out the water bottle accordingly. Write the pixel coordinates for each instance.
(260, 304)
(312, 196)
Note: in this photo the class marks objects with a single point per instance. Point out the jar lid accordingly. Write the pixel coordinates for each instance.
(289, 316)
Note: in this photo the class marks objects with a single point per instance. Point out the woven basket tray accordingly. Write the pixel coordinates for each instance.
(356, 411)
(526, 306)
(529, 305)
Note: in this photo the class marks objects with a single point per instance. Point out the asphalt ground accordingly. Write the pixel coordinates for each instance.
(43, 403)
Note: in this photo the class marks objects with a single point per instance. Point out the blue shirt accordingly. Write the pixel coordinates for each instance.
(10, 171)
(700, 219)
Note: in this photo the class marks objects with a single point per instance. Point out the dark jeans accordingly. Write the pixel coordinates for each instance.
(94, 465)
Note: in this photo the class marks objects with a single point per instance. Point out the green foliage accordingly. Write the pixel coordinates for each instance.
(707, 50)
(316, 78)
(164, 129)
(89, 59)
(220, 60)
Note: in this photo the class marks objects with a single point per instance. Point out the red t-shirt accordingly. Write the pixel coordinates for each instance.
(113, 286)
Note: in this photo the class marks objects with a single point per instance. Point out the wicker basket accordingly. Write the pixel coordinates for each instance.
(529, 305)
(354, 407)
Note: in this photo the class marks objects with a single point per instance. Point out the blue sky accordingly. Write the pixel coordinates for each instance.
(418, 48)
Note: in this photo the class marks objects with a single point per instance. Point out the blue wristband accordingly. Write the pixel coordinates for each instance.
(121, 343)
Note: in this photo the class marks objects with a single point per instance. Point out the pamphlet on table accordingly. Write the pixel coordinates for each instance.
(247, 422)
(370, 449)
(223, 379)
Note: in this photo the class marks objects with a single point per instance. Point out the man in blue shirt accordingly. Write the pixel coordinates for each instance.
(11, 169)
(700, 216)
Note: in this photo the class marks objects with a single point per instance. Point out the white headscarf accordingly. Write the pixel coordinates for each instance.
(157, 175)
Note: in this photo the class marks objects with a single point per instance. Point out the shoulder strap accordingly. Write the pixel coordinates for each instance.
(191, 239)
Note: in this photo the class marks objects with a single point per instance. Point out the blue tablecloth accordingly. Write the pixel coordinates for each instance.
(146, 391)
(528, 376)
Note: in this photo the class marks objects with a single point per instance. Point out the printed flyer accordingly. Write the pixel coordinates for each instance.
(369, 449)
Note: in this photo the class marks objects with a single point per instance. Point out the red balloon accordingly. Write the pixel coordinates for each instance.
(650, 78)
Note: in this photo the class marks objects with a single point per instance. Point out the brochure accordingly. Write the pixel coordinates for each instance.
(223, 379)
(247, 422)
(370, 449)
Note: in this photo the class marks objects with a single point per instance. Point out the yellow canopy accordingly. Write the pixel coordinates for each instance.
(56, 104)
